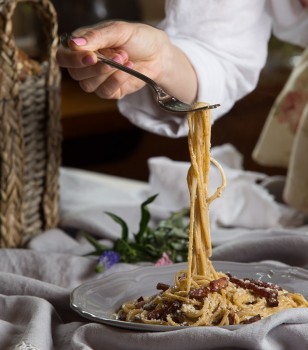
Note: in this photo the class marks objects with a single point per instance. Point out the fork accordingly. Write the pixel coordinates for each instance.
(164, 100)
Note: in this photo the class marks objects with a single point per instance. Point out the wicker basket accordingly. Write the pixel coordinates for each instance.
(30, 132)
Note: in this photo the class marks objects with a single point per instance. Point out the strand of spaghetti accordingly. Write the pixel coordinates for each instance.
(203, 160)
(200, 248)
(223, 182)
(200, 251)
(195, 244)
(201, 243)
(191, 185)
(199, 136)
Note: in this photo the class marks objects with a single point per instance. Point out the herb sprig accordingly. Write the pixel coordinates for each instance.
(170, 236)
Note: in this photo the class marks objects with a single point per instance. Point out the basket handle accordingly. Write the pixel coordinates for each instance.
(45, 11)
(44, 8)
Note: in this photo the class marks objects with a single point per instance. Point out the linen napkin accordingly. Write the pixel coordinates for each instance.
(245, 203)
(85, 196)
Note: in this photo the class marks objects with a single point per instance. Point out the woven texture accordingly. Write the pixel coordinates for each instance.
(30, 133)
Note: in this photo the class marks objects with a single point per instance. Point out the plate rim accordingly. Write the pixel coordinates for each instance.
(159, 328)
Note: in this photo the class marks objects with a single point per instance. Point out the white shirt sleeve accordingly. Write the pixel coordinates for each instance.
(290, 21)
(226, 42)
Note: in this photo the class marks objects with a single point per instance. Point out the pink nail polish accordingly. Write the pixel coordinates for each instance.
(118, 59)
(79, 41)
(129, 64)
(88, 60)
(123, 54)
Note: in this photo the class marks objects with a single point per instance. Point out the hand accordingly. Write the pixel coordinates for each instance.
(139, 46)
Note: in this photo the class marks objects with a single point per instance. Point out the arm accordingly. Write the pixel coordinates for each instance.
(227, 46)
(208, 50)
(290, 20)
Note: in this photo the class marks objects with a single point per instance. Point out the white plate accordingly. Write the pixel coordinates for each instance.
(99, 299)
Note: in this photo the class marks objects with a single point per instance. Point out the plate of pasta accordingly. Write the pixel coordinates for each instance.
(101, 299)
(201, 292)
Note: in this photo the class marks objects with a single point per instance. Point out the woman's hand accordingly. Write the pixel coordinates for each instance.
(139, 46)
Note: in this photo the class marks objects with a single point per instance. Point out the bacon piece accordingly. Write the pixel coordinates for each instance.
(272, 299)
(219, 284)
(162, 286)
(264, 284)
(252, 319)
(231, 318)
(149, 306)
(140, 304)
(266, 290)
(199, 293)
(172, 308)
(215, 286)
(156, 314)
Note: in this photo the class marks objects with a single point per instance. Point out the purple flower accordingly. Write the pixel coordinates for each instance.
(107, 260)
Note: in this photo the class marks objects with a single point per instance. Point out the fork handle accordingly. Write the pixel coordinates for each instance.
(130, 71)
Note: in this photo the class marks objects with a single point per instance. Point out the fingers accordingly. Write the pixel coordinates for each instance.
(105, 87)
(106, 81)
(112, 39)
(72, 59)
(87, 69)
(112, 85)
(118, 85)
(104, 35)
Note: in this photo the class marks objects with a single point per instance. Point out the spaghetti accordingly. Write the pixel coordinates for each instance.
(201, 296)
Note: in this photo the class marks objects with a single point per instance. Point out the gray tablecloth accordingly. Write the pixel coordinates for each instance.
(35, 287)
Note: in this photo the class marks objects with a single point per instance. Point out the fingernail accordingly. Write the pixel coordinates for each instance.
(129, 64)
(118, 59)
(123, 54)
(88, 60)
(79, 41)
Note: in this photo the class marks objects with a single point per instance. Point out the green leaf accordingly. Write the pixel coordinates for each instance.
(127, 251)
(95, 253)
(99, 247)
(145, 218)
(177, 233)
(122, 223)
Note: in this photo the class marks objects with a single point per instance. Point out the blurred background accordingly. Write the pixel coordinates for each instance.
(96, 137)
